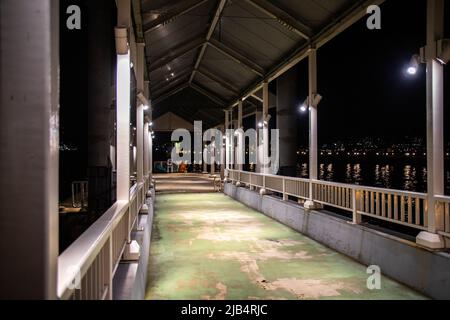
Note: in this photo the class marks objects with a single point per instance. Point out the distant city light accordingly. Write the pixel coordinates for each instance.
(146, 107)
(260, 124)
(303, 108)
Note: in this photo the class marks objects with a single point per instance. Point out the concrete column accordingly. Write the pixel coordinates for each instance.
(146, 148)
(123, 87)
(205, 165)
(265, 122)
(150, 124)
(100, 34)
(29, 139)
(213, 158)
(240, 157)
(435, 127)
(227, 148)
(221, 152)
(140, 65)
(288, 98)
(313, 149)
(258, 151)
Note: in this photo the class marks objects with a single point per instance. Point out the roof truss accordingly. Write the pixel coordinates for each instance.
(282, 17)
(180, 9)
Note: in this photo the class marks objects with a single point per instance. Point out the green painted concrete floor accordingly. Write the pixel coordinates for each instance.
(208, 246)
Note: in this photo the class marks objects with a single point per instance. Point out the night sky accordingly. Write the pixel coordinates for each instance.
(361, 75)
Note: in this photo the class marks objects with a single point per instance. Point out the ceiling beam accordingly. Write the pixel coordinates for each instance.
(170, 93)
(218, 80)
(208, 94)
(137, 11)
(253, 95)
(283, 18)
(236, 56)
(212, 27)
(167, 84)
(180, 9)
(332, 30)
(176, 53)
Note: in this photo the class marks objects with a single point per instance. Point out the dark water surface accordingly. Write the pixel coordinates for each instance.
(393, 174)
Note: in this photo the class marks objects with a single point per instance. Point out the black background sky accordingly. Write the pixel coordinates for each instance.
(361, 75)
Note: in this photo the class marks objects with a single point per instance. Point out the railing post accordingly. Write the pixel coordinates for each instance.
(355, 200)
(109, 269)
(262, 191)
(285, 196)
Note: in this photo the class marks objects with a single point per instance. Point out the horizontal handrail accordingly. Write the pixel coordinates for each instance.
(75, 260)
(444, 201)
(344, 185)
(396, 206)
(86, 267)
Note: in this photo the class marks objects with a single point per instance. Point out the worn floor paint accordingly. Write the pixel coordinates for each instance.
(208, 246)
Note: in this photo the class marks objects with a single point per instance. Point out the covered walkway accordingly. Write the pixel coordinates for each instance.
(208, 246)
(184, 183)
(145, 67)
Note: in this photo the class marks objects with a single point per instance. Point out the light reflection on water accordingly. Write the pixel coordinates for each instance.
(410, 177)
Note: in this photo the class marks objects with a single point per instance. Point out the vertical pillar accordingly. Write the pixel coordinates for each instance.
(288, 99)
(435, 126)
(222, 152)
(257, 151)
(123, 99)
(227, 140)
(123, 88)
(146, 148)
(150, 124)
(205, 164)
(213, 156)
(265, 131)
(240, 149)
(140, 65)
(313, 149)
(29, 139)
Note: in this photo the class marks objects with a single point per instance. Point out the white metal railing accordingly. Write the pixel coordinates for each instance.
(86, 268)
(444, 202)
(400, 207)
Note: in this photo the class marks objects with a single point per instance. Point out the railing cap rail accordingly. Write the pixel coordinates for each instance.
(349, 186)
(80, 254)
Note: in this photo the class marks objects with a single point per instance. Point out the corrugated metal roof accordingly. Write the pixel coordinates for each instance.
(204, 54)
